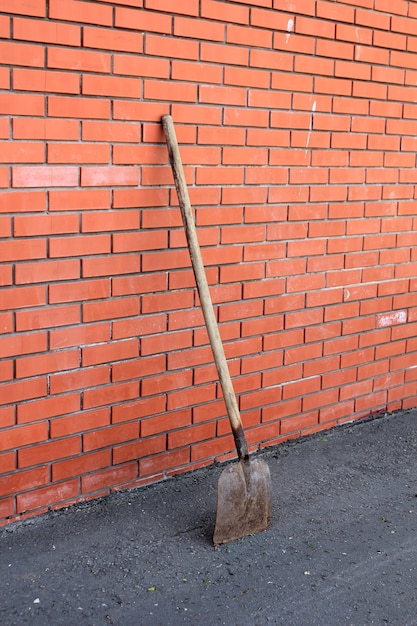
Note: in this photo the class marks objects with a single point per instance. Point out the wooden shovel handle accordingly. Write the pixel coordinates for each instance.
(203, 289)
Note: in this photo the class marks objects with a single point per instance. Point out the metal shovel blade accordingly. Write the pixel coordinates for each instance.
(243, 501)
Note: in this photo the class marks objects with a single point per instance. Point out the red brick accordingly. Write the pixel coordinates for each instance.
(78, 246)
(185, 319)
(7, 371)
(242, 117)
(189, 358)
(299, 422)
(130, 285)
(143, 111)
(21, 152)
(246, 77)
(22, 104)
(79, 423)
(165, 260)
(259, 3)
(265, 251)
(46, 81)
(110, 131)
(46, 32)
(275, 20)
(277, 100)
(166, 342)
(328, 11)
(46, 318)
(196, 72)
(105, 221)
(410, 375)
(23, 390)
(255, 37)
(187, 436)
(21, 53)
(308, 65)
(212, 94)
(202, 29)
(139, 449)
(79, 291)
(321, 399)
(44, 176)
(272, 60)
(21, 250)
(45, 452)
(107, 266)
(22, 297)
(6, 278)
(86, 464)
(61, 106)
(160, 424)
(166, 382)
(95, 311)
(300, 44)
(110, 394)
(75, 200)
(36, 499)
(67, 58)
(5, 23)
(228, 13)
(337, 411)
(143, 21)
(79, 335)
(315, 27)
(110, 352)
(84, 12)
(78, 153)
(171, 48)
(60, 383)
(162, 90)
(7, 464)
(191, 7)
(141, 66)
(139, 241)
(37, 8)
(105, 437)
(123, 41)
(4, 128)
(34, 128)
(163, 462)
(5, 227)
(29, 226)
(44, 364)
(308, 248)
(45, 407)
(323, 297)
(141, 408)
(95, 85)
(20, 436)
(19, 481)
(6, 322)
(109, 176)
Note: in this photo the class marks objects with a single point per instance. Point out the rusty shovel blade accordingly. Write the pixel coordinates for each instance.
(243, 501)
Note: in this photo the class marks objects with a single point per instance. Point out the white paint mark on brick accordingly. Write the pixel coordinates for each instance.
(389, 319)
(313, 110)
(290, 28)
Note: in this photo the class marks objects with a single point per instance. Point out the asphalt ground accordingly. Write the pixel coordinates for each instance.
(341, 548)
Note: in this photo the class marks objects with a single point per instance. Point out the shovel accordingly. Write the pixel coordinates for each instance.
(244, 489)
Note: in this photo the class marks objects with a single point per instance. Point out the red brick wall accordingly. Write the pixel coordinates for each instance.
(297, 121)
